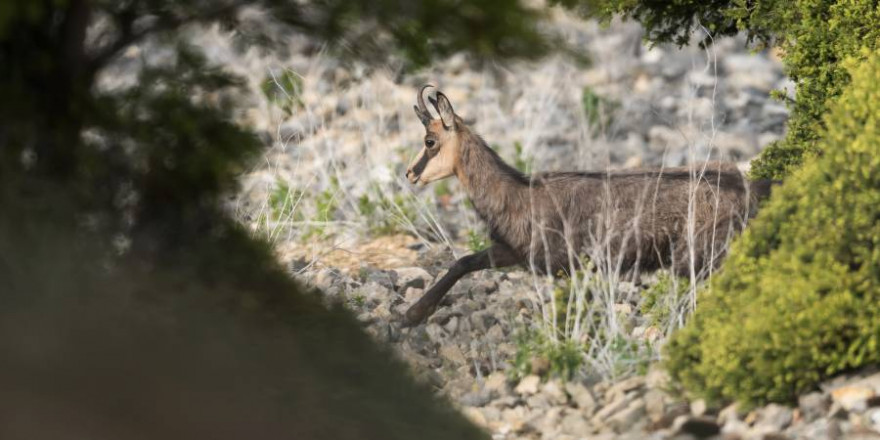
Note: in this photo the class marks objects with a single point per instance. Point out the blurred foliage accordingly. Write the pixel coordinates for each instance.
(284, 91)
(675, 21)
(162, 149)
(113, 220)
(815, 37)
(799, 298)
(213, 340)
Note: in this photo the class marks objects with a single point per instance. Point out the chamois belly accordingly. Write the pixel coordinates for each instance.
(635, 248)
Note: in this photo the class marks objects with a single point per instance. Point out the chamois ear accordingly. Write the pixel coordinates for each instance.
(444, 109)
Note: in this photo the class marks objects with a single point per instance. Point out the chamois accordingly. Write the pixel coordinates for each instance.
(642, 218)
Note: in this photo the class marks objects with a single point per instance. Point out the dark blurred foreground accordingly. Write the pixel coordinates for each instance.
(214, 341)
(131, 306)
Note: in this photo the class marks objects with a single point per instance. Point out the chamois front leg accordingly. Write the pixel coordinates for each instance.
(499, 255)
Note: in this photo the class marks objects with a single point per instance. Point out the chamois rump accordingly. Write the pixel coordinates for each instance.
(642, 220)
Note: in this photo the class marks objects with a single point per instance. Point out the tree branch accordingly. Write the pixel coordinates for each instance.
(163, 23)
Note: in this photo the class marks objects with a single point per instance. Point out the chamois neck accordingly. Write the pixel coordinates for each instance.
(481, 166)
(498, 191)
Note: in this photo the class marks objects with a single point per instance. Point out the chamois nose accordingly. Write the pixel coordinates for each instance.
(411, 176)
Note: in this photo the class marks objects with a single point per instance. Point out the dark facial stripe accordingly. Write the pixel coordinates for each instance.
(421, 164)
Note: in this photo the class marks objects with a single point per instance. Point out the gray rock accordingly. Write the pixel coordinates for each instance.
(538, 401)
(549, 422)
(728, 413)
(476, 398)
(515, 418)
(624, 386)
(555, 393)
(698, 408)
(453, 354)
(674, 411)
(483, 320)
(495, 334)
(735, 428)
(435, 333)
(415, 277)
(628, 419)
(528, 385)
(485, 287)
(814, 405)
(496, 382)
(506, 402)
(576, 424)
(774, 416)
(451, 326)
(412, 294)
(655, 405)
(620, 402)
(819, 429)
(657, 377)
(386, 278)
(582, 397)
(872, 419)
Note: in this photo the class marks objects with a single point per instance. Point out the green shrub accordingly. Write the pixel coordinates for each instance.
(798, 300)
(814, 36)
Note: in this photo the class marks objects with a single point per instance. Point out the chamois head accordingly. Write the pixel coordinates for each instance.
(441, 152)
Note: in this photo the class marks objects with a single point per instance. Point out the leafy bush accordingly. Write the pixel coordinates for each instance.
(815, 37)
(798, 300)
(671, 21)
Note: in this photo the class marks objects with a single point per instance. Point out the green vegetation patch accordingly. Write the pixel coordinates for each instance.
(799, 297)
(815, 37)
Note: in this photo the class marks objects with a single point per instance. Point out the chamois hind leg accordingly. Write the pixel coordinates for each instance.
(499, 255)
(710, 247)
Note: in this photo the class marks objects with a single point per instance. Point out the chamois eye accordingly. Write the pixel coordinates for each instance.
(429, 143)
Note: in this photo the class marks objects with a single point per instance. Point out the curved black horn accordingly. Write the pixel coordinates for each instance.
(422, 107)
(422, 110)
